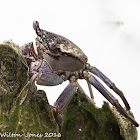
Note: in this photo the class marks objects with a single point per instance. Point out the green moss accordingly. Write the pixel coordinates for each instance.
(35, 115)
(82, 119)
(85, 121)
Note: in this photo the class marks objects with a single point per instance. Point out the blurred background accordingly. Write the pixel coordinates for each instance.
(107, 31)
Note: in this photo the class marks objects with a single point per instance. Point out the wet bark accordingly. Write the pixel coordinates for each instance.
(82, 119)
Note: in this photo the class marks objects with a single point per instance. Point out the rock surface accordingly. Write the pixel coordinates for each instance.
(82, 119)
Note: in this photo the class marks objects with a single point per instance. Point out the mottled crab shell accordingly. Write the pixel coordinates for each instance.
(72, 58)
(74, 50)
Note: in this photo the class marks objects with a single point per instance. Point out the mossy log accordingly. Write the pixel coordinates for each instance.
(82, 119)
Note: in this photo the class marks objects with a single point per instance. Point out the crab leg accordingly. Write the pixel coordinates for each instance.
(110, 84)
(90, 90)
(63, 101)
(92, 80)
(30, 88)
(65, 97)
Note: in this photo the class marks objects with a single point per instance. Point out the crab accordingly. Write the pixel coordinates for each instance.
(57, 60)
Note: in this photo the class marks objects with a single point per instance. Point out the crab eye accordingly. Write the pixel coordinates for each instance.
(36, 26)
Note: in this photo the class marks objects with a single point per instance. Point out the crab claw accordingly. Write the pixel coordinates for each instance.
(92, 80)
(49, 79)
(28, 52)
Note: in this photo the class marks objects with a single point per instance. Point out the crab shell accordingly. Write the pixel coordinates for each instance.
(69, 57)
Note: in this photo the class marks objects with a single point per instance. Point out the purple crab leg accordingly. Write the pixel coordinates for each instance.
(110, 84)
(65, 96)
(92, 80)
(63, 101)
(31, 87)
(90, 90)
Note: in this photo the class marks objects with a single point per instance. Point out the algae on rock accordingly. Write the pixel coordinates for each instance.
(35, 115)
(82, 119)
